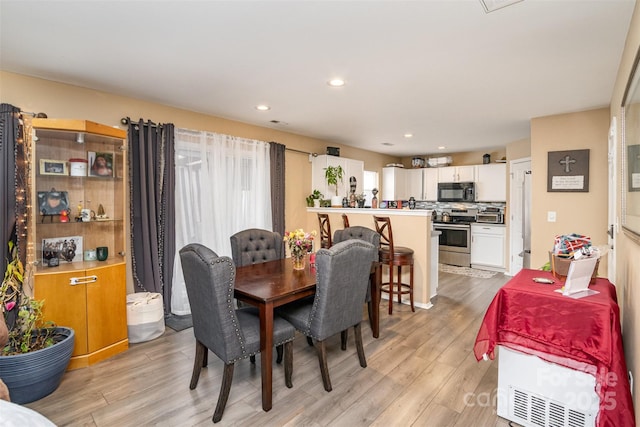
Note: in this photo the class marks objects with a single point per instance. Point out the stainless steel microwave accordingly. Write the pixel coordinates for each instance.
(456, 192)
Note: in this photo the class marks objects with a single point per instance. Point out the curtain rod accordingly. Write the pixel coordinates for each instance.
(126, 121)
(301, 152)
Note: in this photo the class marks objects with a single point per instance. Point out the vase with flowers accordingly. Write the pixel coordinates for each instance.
(300, 243)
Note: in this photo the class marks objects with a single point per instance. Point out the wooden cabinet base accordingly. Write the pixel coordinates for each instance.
(85, 360)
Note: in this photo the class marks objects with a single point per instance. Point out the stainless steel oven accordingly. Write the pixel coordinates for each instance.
(454, 244)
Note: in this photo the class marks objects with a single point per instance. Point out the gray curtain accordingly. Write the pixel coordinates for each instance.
(276, 159)
(10, 154)
(152, 182)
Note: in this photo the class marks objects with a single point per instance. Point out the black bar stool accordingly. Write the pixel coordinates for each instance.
(394, 256)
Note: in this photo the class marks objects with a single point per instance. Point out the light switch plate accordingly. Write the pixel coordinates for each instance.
(551, 216)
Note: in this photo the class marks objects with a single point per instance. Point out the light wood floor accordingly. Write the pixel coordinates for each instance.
(421, 372)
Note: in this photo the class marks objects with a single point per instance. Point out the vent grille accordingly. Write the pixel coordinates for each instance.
(533, 410)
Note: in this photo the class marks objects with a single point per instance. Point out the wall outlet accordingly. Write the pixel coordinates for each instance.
(551, 216)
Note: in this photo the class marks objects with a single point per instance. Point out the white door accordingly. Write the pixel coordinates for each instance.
(612, 220)
(520, 208)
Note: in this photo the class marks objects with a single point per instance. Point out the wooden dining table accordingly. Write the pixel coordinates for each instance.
(271, 284)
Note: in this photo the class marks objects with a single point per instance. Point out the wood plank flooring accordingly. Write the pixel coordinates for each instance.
(421, 372)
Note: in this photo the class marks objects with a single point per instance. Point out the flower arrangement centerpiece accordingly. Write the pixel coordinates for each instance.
(300, 243)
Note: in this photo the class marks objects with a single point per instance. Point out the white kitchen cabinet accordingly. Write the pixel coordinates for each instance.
(414, 186)
(351, 168)
(487, 246)
(457, 174)
(430, 184)
(491, 182)
(394, 184)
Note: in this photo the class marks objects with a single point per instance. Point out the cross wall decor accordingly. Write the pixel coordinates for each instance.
(568, 171)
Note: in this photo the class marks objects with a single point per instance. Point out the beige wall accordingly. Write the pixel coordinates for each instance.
(628, 253)
(583, 213)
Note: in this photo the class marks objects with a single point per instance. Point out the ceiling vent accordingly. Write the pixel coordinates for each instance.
(492, 5)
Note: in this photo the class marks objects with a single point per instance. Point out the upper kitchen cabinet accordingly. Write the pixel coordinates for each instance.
(430, 184)
(394, 184)
(491, 182)
(350, 167)
(457, 174)
(414, 187)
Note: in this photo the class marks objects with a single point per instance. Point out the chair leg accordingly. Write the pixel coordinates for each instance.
(344, 336)
(252, 359)
(390, 288)
(227, 377)
(399, 284)
(198, 362)
(411, 287)
(310, 341)
(324, 368)
(359, 346)
(288, 363)
(279, 349)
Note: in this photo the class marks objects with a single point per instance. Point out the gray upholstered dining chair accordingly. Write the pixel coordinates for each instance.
(231, 334)
(368, 235)
(342, 273)
(253, 246)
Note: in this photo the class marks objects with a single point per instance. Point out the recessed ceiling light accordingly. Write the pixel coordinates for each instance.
(336, 82)
(408, 135)
(442, 147)
(263, 107)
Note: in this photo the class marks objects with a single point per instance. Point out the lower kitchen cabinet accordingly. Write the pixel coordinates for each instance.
(93, 302)
(488, 246)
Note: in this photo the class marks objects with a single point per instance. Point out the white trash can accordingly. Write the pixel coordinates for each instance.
(145, 316)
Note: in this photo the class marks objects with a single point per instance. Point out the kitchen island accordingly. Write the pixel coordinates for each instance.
(411, 228)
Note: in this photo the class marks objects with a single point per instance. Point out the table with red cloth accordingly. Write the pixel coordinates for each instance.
(582, 334)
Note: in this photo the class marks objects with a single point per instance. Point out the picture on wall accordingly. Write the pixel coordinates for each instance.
(62, 249)
(100, 164)
(568, 171)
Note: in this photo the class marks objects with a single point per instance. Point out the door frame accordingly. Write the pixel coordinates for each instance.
(612, 218)
(514, 200)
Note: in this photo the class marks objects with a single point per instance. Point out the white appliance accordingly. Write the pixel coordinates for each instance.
(535, 393)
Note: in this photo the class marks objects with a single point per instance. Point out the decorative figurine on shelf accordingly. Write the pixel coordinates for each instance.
(352, 199)
(374, 200)
(79, 214)
(64, 216)
(101, 212)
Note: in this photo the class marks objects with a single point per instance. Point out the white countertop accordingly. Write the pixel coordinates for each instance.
(369, 211)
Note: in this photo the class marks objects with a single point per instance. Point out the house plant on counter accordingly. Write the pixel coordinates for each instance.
(332, 174)
(37, 353)
(313, 199)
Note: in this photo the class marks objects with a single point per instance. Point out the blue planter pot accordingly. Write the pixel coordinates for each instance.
(32, 376)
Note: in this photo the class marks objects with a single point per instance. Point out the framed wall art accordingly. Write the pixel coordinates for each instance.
(568, 171)
(53, 167)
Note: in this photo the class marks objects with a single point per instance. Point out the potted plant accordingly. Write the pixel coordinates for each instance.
(37, 353)
(332, 174)
(313, 199)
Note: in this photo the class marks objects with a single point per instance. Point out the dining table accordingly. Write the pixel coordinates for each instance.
(274, 283)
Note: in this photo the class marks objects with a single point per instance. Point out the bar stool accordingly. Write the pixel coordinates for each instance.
(394, 256)
(325, 230)
(345, 220)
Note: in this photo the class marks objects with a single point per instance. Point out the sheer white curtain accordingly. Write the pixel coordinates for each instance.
(222, 187)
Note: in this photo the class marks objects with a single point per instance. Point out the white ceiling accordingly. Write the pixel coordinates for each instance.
(443, 70)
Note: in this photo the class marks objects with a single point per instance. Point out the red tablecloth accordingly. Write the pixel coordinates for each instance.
(582, 334)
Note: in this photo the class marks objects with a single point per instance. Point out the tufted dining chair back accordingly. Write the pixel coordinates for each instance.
(255, 245)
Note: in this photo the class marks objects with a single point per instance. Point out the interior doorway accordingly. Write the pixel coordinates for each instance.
(520, 215)
(612, 217)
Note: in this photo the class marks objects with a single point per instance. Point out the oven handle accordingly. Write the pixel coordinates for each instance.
(451, 226)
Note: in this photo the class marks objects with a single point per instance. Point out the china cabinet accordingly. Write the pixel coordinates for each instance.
(78, 193)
